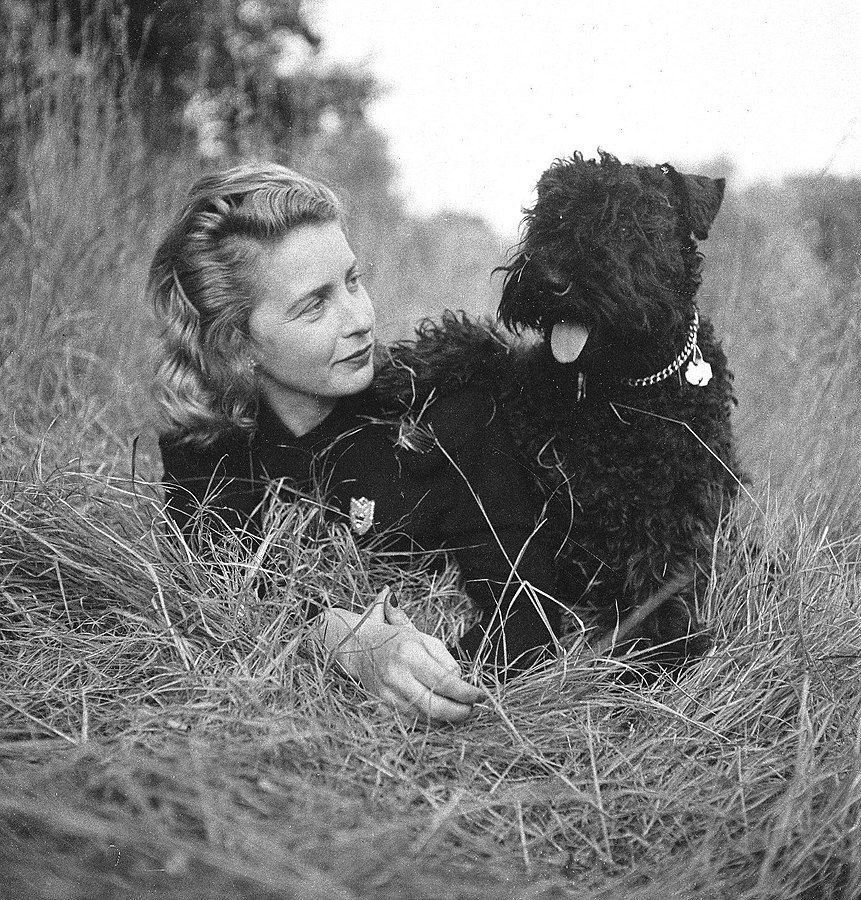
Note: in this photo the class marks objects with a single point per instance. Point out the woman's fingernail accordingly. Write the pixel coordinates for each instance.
(393, 601)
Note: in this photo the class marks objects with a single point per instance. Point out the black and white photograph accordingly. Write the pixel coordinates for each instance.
(430, 455)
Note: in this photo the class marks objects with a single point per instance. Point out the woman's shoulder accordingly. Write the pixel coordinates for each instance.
(182, 456)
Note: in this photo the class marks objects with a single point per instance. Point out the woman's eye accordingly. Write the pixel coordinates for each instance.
(354, 279)
(315, 306)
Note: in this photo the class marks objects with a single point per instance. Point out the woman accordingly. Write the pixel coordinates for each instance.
(267, 376)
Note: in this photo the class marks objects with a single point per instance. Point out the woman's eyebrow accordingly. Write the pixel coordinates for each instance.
(325, 287)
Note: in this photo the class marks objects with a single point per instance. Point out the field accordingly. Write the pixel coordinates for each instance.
(165, 732)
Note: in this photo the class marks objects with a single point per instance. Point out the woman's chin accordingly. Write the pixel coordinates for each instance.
(357, 380)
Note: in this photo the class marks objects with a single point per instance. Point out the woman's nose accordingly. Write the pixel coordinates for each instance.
(360, 314)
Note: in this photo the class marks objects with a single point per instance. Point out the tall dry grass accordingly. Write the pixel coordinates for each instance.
(166, 730)
(794, 352)
(75, 242)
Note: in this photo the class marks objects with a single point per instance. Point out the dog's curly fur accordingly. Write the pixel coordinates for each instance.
(635, 479)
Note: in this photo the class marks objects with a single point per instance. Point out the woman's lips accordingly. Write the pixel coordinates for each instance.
(360, 356)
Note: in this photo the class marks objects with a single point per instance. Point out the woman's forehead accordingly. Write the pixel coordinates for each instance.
(308, 256)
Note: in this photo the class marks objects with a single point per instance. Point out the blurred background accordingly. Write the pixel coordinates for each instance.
(433, 120)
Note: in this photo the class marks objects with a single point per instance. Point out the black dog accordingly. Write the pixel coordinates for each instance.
(623, 411)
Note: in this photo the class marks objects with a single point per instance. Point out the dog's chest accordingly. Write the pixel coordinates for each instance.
(596, 445)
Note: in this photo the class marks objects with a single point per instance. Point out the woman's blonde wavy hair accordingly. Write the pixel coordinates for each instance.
(201, 283)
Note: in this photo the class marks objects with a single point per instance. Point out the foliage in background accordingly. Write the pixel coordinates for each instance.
(833, 206)
(164, 727)
(791, 328)
(240, 77)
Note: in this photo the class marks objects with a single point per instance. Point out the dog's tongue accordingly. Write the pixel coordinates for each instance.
(567, 339)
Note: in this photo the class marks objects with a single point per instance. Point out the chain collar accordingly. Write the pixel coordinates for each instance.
(675, 365)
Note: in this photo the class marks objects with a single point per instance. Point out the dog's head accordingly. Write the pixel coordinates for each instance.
(609, 251)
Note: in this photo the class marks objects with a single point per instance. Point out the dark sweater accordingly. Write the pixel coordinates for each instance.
(421, 500)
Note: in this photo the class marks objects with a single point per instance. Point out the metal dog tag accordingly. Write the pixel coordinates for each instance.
(698, 371)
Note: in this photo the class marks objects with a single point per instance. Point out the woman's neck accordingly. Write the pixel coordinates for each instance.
(300, 413)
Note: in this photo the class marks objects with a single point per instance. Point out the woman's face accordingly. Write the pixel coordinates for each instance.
(312, 328)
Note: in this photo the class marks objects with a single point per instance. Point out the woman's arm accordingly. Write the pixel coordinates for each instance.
(380, 648)
(393, 660)
(217, 480)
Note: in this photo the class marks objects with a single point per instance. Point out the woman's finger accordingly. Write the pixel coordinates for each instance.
(454, 688)
(441, 654)
(376, 610)
(394, 615)
(394, 700)
(425, 702)
(440, 678)
(438, 651)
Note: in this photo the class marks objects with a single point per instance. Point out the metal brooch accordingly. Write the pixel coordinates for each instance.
(361, 514)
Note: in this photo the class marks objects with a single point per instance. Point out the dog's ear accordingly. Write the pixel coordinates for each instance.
(700, 199)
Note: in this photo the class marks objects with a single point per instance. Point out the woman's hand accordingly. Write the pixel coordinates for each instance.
(393, 660)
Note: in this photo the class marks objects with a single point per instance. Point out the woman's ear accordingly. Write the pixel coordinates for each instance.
(245, 358)
(239, 354)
